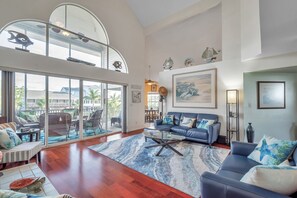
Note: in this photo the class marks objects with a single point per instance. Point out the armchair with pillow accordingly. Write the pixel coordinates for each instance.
(12, 147)
(264, 170)
(200, 127)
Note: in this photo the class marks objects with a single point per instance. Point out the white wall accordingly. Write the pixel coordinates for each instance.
(186, 39)
(230, 70)
(125, 34)
(280, 123)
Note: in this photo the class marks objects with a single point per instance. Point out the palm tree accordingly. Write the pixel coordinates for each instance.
(114, 104)
(41, 103)
(93, 96)
(19, 97)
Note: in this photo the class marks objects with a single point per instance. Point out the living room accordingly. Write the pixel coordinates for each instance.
(255, 43)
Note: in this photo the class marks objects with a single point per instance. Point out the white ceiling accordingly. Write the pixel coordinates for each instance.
(149, 12)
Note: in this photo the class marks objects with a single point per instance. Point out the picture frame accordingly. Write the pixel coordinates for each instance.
(195, 89)
(136, 96)
(271, 94)
(153, 88)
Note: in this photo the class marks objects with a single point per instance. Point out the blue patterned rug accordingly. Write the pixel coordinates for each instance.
(180, 172)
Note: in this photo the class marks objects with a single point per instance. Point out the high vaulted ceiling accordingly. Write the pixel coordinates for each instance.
(149, 12)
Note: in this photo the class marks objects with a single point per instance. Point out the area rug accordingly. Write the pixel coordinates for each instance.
(180, 172)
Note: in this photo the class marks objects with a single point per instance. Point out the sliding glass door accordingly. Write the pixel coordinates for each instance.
(66, 109)
(93, 109)
(30, 102)
(114, 106)
(63, 109)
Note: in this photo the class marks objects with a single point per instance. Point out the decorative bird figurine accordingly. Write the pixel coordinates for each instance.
(117, 65)
(19, 38)
(168, 64)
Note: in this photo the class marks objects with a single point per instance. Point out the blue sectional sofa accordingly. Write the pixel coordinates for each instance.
(226, 182)
(208, 136)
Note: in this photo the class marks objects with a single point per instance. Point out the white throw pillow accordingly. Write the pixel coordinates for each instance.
(188, 122)
(281, 179)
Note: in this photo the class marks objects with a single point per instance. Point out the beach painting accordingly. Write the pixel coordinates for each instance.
(195, 89)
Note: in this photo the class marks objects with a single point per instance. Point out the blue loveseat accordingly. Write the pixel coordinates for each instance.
(226, 182)
(208, 136)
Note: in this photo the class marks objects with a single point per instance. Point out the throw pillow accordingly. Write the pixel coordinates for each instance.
(21, 120)
(205, 123)
(12, 125)
(168, 119)
(5, 141)
(13, 137)
(281, 179)
(188, 122)
(32, 118)
(271, 151)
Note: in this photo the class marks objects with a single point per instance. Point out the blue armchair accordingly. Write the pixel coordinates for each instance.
(226, 182)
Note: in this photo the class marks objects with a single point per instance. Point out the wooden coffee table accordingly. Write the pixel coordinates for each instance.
(163, 139)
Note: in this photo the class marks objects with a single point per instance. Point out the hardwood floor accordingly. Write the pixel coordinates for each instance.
(76, 170)
(81, 172)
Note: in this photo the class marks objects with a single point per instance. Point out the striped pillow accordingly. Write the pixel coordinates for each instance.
(11, 125)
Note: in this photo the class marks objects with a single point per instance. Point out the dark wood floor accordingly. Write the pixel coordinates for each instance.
(83, 173)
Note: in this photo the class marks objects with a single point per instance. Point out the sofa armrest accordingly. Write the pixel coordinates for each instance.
(213, 132)
(213, 185)
(157, 122)
(242, 148)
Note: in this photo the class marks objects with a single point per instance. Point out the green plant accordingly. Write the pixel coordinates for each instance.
(19, 97)
(114, 105)
(93, 96)
(40, 103)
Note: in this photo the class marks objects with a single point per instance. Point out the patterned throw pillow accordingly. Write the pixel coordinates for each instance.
(168, 119)
(205, 123)
(5, 141)
(32, 118)
(13, 137)
(281, 179)
(271, 151)
(188, 122)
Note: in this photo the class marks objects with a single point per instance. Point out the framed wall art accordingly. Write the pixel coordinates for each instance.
(271, 94)
(195, 89)
(136, 96)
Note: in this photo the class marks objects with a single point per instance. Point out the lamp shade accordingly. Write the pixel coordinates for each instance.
(232, 96)
(163, 91)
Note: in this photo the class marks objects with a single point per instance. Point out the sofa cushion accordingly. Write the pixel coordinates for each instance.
(188, 122)
(205, 123)
(182, 130)
(230, 174)
(13, 137)
(207, 116)
(9, 125)
(164, 127)
(168, 119)
(177, 117)
(22, 152)
(281, 179)
(198, 133)
(5, 141)
(238, 163)
(271, 151)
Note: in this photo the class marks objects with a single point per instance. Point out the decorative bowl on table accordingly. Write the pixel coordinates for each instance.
(29, 184)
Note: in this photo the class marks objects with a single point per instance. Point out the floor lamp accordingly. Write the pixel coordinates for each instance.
(163, 93)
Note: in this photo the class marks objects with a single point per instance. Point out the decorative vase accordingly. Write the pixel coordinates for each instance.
(250, 133)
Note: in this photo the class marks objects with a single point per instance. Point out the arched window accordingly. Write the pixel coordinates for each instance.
(73, 34)
(79, 20)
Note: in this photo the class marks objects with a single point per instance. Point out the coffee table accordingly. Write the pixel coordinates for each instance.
(163, 139)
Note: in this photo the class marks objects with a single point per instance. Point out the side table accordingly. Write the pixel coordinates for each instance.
(30, 133)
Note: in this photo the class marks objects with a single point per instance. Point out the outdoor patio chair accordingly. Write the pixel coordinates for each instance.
(116, 119)
(58, 124)
(93, 123)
